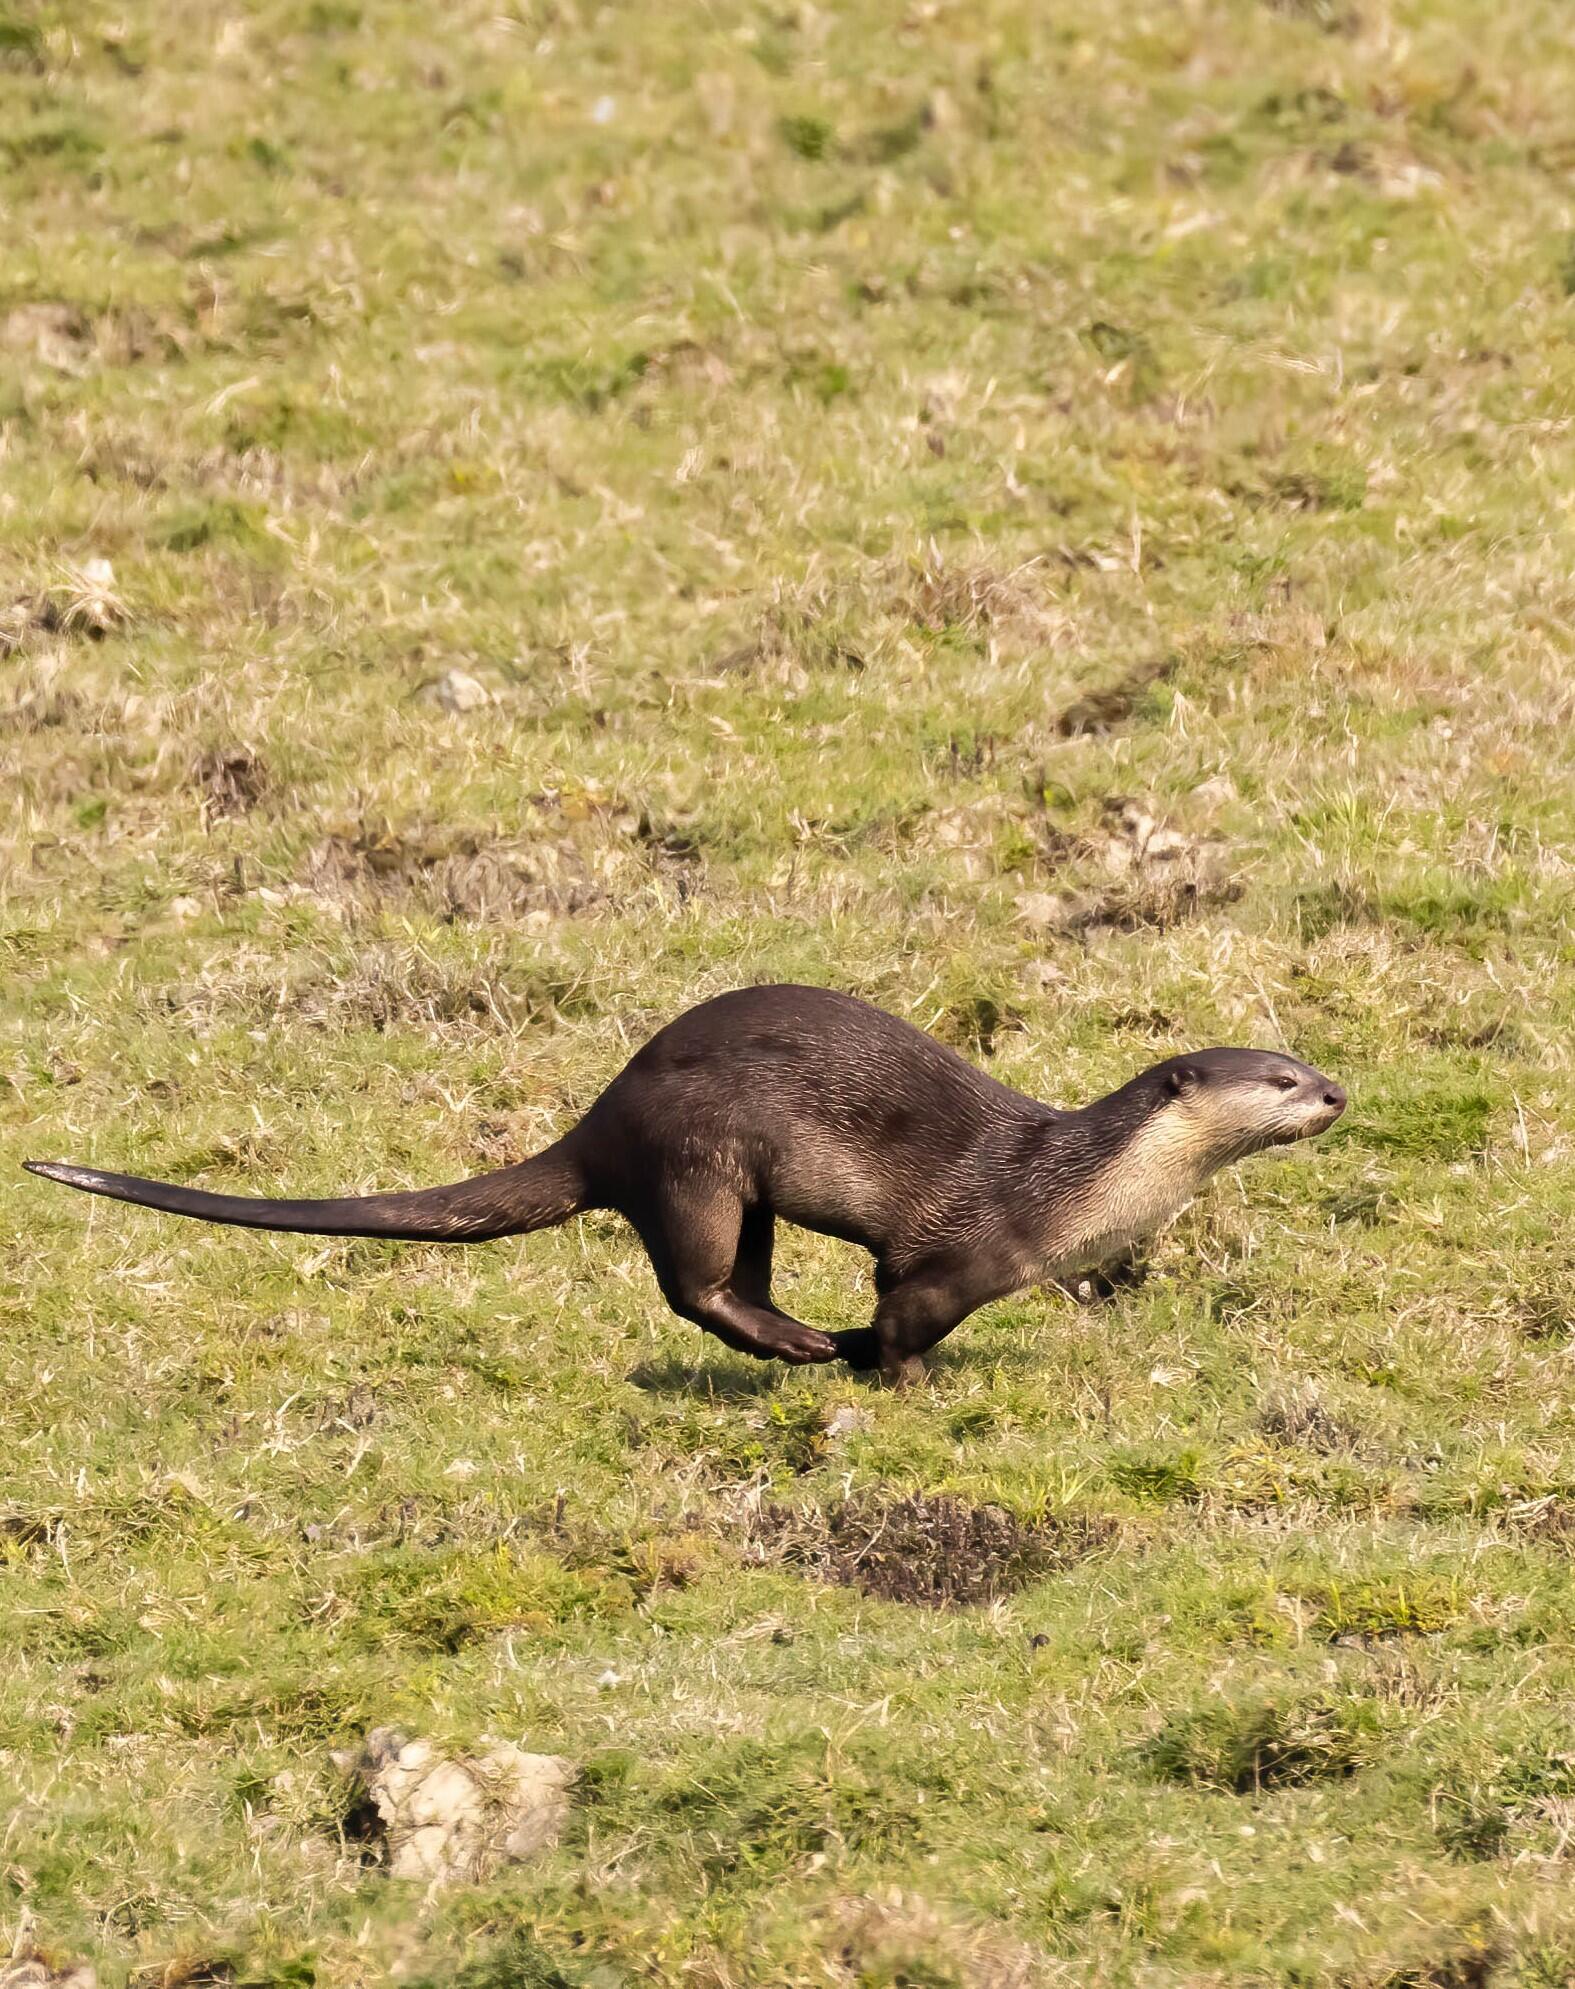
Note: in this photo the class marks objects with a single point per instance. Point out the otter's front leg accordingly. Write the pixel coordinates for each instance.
(916, 1309)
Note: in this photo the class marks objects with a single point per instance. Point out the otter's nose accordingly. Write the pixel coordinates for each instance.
(1334, 1097)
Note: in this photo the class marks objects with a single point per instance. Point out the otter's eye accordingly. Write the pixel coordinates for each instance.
(1283, 1081)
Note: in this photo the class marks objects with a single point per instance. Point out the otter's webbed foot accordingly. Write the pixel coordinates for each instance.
(862, 1349)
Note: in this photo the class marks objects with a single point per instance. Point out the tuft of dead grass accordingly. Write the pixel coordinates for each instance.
(897, 1936)
(32, 1968)
(79, 601)
(1154, 876)
(937, 1552)
(1295, 1411)
(1255, 1746)
(940, 595)
(450, 877)
(1476, 1964)
(230, 779)
(1100, 711)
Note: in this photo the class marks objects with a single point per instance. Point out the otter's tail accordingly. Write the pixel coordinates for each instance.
(544, 1190)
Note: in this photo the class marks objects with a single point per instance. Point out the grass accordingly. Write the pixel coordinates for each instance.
(1248, 1749)
(882, 464)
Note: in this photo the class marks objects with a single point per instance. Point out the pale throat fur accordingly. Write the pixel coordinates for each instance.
(1126, 1202)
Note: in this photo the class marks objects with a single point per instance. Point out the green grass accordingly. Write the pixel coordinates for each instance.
(859, 450)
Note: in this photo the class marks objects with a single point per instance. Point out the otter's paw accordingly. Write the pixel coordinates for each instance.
(858, 1347)
(803, 1346)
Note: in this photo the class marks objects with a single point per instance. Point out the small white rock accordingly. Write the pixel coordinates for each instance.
(31, 1971)
(446, 1819)
(457, 690)
(1043, 974)
(1041, 908)
(846, 1421)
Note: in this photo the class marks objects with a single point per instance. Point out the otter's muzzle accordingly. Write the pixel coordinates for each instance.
(1330, 1103)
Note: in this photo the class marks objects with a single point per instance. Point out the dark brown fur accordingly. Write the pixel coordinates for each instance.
(811, 1106)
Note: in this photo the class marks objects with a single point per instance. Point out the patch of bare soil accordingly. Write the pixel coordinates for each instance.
(939, 1553)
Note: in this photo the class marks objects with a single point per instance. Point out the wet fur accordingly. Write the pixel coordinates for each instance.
(810, 1106)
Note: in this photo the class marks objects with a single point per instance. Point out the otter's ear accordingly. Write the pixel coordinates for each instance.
(1180, 1080)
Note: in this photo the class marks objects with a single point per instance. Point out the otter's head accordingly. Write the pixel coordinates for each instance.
(1240, 1101)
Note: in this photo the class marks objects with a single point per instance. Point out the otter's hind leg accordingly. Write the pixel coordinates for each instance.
(751, 1279)
(702, 1245)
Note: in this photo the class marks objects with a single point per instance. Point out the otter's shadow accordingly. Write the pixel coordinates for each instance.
(744, 1380)
(724, 1381)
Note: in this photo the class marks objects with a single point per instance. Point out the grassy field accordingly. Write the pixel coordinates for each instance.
(1055, 519)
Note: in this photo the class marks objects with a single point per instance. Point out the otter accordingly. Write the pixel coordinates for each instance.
(812, 1106)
